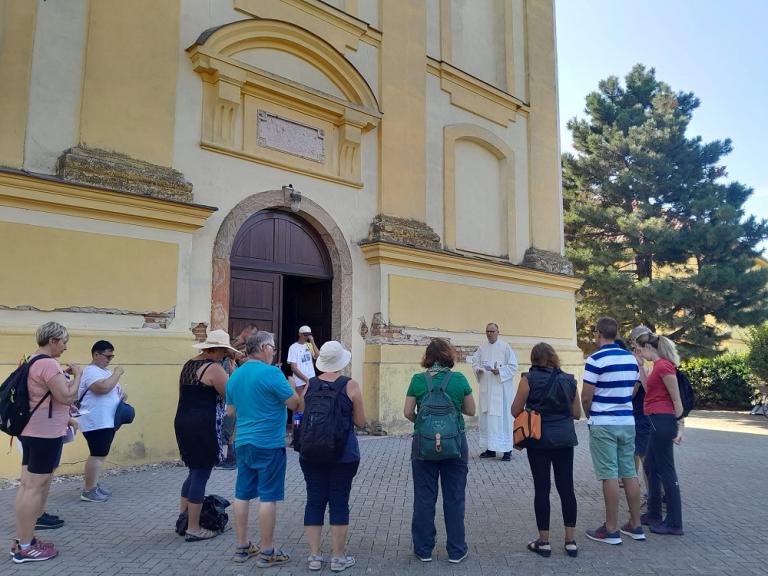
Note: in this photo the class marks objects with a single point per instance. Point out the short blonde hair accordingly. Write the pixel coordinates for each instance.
(51, 331)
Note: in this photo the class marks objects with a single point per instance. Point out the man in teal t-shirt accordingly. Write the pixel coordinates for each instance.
(259, 394)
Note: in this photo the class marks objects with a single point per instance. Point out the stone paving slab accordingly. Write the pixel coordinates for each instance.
(722, 467)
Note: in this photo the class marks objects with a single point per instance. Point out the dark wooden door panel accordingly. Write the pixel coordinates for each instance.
(254, 297)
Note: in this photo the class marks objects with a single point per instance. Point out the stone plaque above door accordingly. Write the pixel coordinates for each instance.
(291, 137)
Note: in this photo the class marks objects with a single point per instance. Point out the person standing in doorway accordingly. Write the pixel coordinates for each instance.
(99, 395)
(495, 365)
(610, 375)
(301, 357)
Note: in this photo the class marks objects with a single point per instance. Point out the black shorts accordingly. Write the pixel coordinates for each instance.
(99, 441)
(41, 455)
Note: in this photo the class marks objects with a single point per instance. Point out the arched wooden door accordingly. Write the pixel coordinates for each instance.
(280, 278)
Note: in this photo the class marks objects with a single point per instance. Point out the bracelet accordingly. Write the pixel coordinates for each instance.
(681, 417)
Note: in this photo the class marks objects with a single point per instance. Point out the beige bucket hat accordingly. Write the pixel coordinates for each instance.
(216, 339)
(333, 357)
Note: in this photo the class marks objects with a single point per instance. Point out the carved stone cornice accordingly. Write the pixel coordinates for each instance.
(120, 172)
(403, 231)
(547, 261)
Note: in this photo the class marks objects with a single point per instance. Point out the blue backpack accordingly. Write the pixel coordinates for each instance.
(439, 423)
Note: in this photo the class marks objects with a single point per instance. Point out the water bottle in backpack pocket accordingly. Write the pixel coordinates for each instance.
(438, 422)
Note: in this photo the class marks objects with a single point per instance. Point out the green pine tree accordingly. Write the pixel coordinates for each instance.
(650, 224)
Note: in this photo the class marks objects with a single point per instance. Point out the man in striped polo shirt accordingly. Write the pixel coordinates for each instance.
(609, 378)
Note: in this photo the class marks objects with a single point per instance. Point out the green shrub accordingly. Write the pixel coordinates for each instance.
(757, 358)
(721, 382)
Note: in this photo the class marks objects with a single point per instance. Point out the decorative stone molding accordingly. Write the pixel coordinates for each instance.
(475, 96)
(403, 231)
(547, 261)
(237, 94)
(117, 171)
(506, 157)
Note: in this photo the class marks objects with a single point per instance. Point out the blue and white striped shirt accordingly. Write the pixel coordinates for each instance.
(613, 372)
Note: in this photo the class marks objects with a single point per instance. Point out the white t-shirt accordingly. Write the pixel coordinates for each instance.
(299, 354)
(100, 407)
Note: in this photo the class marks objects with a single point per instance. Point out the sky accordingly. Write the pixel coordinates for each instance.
(717, 49)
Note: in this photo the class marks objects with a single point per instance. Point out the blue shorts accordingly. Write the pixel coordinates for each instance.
(260, 473)
(642, 434)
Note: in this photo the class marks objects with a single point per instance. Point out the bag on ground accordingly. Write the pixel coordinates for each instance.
(439, 436)
(323, 431)
(212, 515)
(14, 399)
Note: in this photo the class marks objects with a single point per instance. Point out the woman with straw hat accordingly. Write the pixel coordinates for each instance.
(202, 385)
(330, 482)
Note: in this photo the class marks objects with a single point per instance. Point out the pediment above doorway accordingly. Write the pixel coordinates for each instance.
(309, 119)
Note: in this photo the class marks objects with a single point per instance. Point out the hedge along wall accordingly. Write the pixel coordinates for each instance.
(722, 382)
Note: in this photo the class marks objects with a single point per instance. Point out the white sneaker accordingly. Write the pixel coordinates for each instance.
(341, 563)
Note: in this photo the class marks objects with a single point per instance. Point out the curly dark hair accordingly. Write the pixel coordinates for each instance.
(441, 352)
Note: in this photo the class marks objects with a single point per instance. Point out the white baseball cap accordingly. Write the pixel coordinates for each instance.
(305, 330)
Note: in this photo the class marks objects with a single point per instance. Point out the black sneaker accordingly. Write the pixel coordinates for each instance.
(226, 466)
(48, 522)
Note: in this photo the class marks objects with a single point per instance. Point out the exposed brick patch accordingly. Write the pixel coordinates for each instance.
(200, 331)
(157, 319)
(463, 353)
(383, 333)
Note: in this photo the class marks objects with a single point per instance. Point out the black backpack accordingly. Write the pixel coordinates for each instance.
(687, 395)
(212, 515)
(14, 399)
(323, 427)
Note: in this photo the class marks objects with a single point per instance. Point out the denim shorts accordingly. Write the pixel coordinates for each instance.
(260, 473)
(613, 451)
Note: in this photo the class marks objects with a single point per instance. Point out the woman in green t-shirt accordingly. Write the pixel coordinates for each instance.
(438, 360)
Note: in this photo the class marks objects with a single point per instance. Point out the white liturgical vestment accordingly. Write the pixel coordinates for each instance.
(496, 394)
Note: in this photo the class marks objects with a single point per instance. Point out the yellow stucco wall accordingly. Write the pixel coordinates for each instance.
(457, 307)
(17, 34)
(152, 365)
(129, 88)
(80, 269)
(403, 101)
(544, 145)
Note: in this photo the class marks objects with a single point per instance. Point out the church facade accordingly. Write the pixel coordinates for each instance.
(384, 171)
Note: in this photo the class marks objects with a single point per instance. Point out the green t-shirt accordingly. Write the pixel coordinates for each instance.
(458, 387)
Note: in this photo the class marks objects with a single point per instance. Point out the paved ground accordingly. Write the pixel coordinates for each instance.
(722, 466)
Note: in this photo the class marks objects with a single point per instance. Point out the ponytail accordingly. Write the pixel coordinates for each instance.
(667, 349)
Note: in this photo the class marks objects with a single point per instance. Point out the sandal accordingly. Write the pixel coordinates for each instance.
(269, 558)
(541, 548)
(571, 549)
(202, 534)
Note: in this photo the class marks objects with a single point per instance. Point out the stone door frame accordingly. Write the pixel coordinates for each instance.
(331, 236)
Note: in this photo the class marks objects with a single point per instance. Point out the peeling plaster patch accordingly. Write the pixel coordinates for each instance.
(383, 333)
(200, 330)
(93, 310)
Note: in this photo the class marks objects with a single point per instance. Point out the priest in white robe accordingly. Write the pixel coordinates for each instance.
(495, 366)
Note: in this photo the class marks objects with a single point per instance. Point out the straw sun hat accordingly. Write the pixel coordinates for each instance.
(216, 339)
(333, 357)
